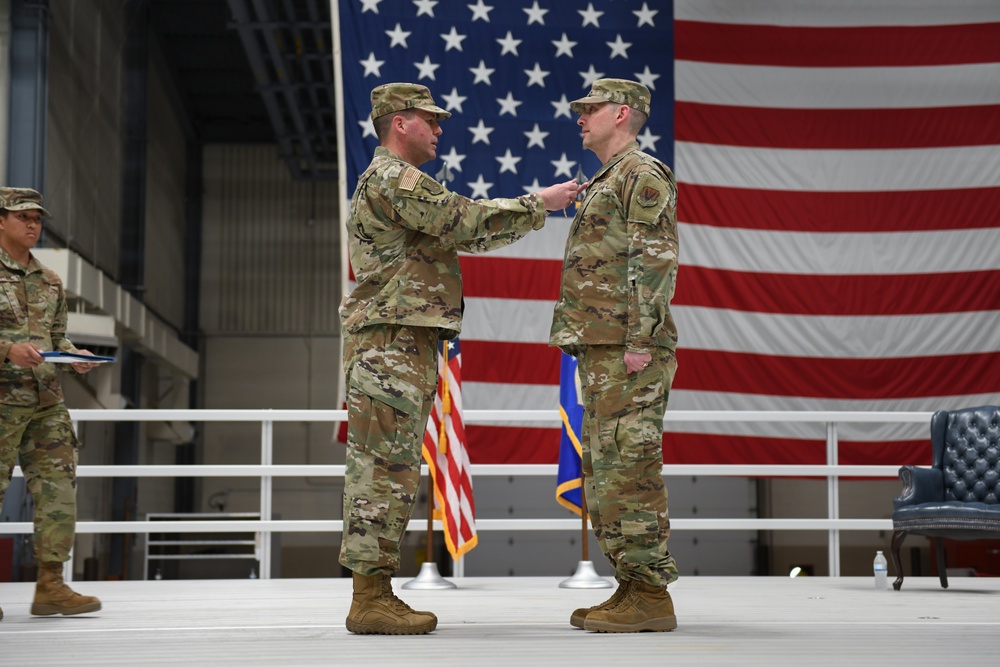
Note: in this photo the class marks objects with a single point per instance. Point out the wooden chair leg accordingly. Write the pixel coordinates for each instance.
(942, 564)
(897, 543)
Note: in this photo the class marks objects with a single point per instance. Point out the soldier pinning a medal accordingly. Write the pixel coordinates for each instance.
(404, 233)
(613, 315)
(35, 425)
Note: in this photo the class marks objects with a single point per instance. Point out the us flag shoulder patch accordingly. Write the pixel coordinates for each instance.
(409, 179)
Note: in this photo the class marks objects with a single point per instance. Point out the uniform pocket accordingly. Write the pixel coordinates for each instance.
(638, 391)
(11, 311)
(387, 388)
(384, 429)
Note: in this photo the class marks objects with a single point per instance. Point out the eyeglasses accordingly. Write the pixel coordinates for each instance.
(29, 218)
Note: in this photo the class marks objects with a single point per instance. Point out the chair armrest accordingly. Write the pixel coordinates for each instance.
(920, 485)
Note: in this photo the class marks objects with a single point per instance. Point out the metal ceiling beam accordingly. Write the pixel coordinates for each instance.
(282, 72)
(327, 78)
(248, 37)
(292, 67)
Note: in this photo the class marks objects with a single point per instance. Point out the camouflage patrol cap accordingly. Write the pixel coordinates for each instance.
(620, 91)
(21, 199)
(391, 97)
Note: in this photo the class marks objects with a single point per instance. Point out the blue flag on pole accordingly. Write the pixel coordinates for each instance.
(569, 493)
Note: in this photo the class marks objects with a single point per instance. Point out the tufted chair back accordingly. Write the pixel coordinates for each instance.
(966, 447)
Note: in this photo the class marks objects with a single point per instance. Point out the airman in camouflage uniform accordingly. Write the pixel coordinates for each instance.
(405, 231)
(613, 315)
(34, 423)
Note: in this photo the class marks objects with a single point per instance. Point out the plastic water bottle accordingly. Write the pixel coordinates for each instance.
(881, 572)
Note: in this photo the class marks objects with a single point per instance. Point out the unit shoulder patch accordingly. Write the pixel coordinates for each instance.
(648, 196)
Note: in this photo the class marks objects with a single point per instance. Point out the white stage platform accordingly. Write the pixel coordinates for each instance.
(518, 621)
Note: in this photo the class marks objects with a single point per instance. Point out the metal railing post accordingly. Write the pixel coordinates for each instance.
(266, 484)
(833, 499)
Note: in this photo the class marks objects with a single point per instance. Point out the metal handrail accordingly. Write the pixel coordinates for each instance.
(266, 471)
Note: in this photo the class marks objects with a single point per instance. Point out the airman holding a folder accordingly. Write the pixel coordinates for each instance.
(35, 425)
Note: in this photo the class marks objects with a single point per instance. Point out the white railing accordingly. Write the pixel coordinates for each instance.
(267, 471)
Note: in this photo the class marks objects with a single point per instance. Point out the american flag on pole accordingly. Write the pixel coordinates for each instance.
(447, 456)
(838, 166)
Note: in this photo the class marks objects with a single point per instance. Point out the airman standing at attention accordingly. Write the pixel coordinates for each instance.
(613, 315)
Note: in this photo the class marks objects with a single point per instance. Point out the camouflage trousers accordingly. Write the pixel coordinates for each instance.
(623, 460)
(391, 383)
(44, 440)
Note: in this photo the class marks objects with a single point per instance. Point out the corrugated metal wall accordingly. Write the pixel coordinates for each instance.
(271, 264)
(83, 177)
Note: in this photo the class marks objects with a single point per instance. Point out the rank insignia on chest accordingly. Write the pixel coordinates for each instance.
(648, 196)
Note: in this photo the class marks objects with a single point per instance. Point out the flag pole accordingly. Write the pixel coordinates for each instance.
(585, 576)
(429, 577)
(429, 556)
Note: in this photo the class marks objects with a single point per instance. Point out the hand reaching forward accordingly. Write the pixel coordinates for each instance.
(559, 196)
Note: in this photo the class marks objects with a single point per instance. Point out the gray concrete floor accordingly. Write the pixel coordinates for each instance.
(511, 621)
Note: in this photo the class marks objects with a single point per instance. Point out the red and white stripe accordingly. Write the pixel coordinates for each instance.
(448, 460)
(839, 187)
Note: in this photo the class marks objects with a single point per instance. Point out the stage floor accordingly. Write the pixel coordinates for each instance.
(521, 621)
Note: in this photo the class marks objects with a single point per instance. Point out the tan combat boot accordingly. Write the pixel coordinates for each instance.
(53, 596)
(578, 616)
(375, 610)
(643, 608)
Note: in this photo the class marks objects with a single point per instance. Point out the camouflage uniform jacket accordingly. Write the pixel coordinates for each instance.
(620, 267)
(405, 231)
(32, 310)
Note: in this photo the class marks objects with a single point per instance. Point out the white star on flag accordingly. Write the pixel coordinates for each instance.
(426, 68)
(482, 73)
(481, 133)
(480, 11)
(453, 159)
(480, 188)
(453, 40)
(508, 104)
(564, 166)
(453, 101)
(536, 137)
(397, 36)
(508, 162)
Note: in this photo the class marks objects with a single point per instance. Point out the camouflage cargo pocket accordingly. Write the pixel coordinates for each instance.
(638, 391)
(383, 420)
(389, 389)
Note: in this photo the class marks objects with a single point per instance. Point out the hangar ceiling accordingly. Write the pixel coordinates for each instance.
(253, 71)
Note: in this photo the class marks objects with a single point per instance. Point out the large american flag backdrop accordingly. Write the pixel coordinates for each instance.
(839, 185)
